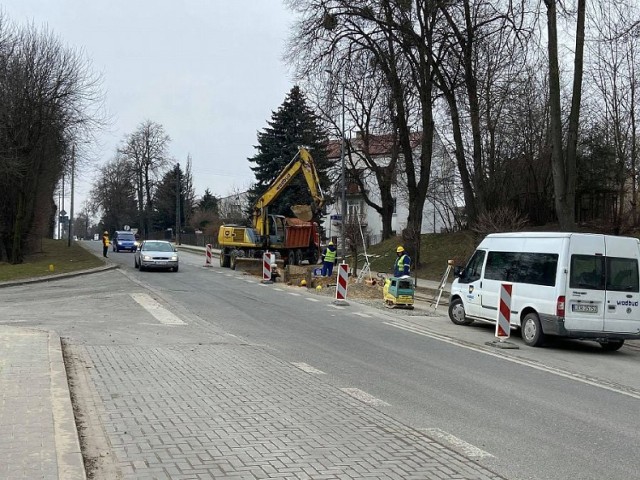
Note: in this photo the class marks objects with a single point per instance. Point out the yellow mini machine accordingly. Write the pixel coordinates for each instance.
(399, 292)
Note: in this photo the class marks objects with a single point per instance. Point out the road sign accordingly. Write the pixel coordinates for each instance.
(336, 217)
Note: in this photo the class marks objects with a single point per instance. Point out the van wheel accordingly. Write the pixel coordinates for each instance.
(456, 313)
(531, 330)
(612, 345)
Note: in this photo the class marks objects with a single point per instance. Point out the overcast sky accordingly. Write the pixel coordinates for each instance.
(209, 71)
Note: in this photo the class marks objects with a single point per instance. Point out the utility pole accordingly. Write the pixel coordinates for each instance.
(73, 171)
(344, 186)
(178, 204)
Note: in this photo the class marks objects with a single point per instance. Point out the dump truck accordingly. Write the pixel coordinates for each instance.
(292, 239)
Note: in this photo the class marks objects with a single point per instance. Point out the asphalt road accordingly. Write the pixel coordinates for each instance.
(565, 411)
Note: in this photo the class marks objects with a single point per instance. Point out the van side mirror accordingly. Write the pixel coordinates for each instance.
(458, 271)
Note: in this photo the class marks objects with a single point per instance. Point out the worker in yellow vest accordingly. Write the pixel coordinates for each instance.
(328, 259)
(105, 243)
(402, 267)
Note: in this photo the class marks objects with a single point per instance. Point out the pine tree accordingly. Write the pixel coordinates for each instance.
(164, 212)
(292, 126)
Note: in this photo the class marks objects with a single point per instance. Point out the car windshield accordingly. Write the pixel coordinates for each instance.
(158, 247)
(126, 236)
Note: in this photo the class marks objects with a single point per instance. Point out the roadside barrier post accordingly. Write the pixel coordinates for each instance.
(207, 258)
(341, 285)
(266, 268)
(503, 322)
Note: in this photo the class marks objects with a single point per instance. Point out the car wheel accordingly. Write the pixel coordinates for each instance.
(456, 313)
(233, 262)
(175, 269)
(612, 345)
(135, 263)
(142, 268)
(531, 330)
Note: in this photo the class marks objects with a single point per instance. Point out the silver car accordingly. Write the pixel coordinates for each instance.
(156, 254)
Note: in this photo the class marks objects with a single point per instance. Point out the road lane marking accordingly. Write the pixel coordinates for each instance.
(278, 289)
(360, 314)
(163, 315)
(312, 299)
(468, 450)
(337, 307)
(294, 294)
(250, 281)
(599, 383)
(365, 397)
(308, 368)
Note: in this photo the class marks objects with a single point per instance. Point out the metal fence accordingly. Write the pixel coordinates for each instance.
(196, 239)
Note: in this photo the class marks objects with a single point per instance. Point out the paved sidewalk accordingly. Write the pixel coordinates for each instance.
(38, 436)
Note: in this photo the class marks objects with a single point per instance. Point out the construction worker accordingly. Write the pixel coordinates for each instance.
(105, 243)
(328, 259)
(402, 266)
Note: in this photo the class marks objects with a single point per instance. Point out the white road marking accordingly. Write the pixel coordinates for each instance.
(337, 307)
(365, 397)
(360, 314)
(294, 294)
(553, 370)
(250, 281)
(467, 449)
(163, 315)
(278, 289)
(308, 368)
(313, 299)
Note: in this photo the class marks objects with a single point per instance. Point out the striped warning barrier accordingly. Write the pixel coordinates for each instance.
(266, 267)
(503, 325)
(341, 286)
(207, 258)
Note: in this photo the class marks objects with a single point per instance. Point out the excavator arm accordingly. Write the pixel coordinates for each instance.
(301, 162)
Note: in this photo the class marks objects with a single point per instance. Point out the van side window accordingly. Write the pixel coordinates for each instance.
(622, 274)
(474, 267)
(587, 271)
(538, 268)
(522, 267)
(502, 266)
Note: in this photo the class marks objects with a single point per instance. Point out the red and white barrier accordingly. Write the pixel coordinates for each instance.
(266, 267)
(341, 285)
(503, 325)
(207, 258)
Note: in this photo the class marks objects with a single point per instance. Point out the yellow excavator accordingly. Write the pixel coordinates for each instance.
(295, 239)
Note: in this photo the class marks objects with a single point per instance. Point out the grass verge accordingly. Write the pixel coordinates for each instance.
(435, 250)
(64, 259)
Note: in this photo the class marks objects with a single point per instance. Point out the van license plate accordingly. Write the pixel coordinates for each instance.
(584, 308)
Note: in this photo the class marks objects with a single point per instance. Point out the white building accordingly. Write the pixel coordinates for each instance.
(441, 209)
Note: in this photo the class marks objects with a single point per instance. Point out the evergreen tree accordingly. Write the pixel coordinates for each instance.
(292, 126)
(208, 202)
(164, 203)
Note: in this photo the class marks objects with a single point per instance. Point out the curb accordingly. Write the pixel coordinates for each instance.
(68, 452)
(27, 281)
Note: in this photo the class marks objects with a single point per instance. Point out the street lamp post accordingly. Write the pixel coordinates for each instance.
(344, 184)
(342, 173)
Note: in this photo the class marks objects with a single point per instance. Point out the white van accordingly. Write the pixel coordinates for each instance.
(573, 285)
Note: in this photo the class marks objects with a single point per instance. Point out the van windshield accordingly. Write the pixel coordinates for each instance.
(595, 272)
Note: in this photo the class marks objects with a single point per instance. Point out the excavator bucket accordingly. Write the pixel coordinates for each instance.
(303, 212)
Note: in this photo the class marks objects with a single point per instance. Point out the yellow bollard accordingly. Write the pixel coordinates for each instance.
(51, 267)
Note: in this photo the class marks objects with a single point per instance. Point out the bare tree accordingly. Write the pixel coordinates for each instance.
(614, 56)
(146, 149)
(48, 101)
(564, 159)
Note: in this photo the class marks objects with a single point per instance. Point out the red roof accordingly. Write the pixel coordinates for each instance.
(379, 145)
